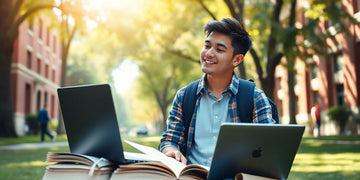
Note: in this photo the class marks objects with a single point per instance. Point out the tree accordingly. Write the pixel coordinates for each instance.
(12, 13)
(153, 39)
(72, 20)
(283, 38)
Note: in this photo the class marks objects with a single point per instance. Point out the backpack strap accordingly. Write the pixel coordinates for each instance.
(189, 102)
(245, 100)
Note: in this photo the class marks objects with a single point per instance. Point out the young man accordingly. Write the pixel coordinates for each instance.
(225, 47)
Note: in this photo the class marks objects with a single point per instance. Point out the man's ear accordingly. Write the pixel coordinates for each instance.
(238, 59)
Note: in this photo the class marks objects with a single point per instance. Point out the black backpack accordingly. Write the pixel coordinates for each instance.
(243, 99)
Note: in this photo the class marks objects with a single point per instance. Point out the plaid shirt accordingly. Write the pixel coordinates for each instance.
(174, 135)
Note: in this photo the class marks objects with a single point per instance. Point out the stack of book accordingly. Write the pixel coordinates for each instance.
(77, 166)
(83, 167)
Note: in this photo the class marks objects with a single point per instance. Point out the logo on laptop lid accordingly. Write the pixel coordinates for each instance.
(257, 152)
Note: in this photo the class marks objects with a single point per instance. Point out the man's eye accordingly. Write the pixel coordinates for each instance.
(206, 46)
(220, 50)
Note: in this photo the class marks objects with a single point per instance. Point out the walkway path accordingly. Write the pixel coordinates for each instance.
(33, 145)
(334, 141)
(57, 144)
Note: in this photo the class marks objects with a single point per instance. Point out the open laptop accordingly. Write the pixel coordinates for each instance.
(91, 124)
(266, 150)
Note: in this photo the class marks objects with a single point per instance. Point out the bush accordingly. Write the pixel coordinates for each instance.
(32, 122)
(339, 114)
(53, 125)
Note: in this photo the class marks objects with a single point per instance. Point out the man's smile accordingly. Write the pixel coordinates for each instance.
(208, 61)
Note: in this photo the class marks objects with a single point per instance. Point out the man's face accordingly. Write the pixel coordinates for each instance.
(216, 56)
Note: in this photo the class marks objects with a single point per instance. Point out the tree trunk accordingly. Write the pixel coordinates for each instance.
(7, 39)
(164, 116)
(291, 57)
(61, 127)
(292, 99)
(65, 52)
(7, 126)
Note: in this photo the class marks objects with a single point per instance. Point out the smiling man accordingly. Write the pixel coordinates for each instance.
(224, 49)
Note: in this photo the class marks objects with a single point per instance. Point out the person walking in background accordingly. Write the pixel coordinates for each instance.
(43, 119)
(315, 115)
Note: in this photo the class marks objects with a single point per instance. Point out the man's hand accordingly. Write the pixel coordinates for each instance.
(174, 153)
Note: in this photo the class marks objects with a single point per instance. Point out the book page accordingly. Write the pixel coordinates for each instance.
(77, 158)
(139, 156)
(173, 164)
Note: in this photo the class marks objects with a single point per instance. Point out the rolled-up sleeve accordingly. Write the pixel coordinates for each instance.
(174, 134)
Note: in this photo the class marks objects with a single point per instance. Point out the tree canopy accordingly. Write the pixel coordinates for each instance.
(163, 38)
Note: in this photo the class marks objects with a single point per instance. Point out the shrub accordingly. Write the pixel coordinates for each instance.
(53, 125)
(339, 114)
(32, 122)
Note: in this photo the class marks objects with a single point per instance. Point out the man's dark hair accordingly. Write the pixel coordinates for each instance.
(240, 39)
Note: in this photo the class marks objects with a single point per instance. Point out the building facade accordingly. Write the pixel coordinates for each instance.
(328, 80)
(35, 71)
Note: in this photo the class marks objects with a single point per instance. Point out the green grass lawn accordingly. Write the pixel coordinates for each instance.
(317, 158)
(327, 158)
(29, 139)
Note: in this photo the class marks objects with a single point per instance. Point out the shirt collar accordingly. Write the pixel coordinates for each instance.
(233, 86)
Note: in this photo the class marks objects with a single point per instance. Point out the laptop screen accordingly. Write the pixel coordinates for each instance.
(90, 121)
(266, 150)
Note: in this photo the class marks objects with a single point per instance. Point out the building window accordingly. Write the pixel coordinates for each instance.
(40, 28)
(38, 68)
(48, 38)
(38, 101)
(52, 106)
(46, 99)
(27, 104)
(313, 70)
(54, 44)
(316, 97)
(338, 62)
(28, 59)
(47, 71)
(53, 75)
(340, 94)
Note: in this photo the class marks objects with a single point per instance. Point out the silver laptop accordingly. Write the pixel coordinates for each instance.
(90, 122)
(260, 149)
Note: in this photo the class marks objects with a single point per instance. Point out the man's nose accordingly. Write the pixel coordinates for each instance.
(210, 52)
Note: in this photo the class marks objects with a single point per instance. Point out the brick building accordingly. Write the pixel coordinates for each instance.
(35, 71)
(329, 81)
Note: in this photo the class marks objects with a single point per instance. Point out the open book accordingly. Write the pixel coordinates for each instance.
(167, 168)
(77, 166)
